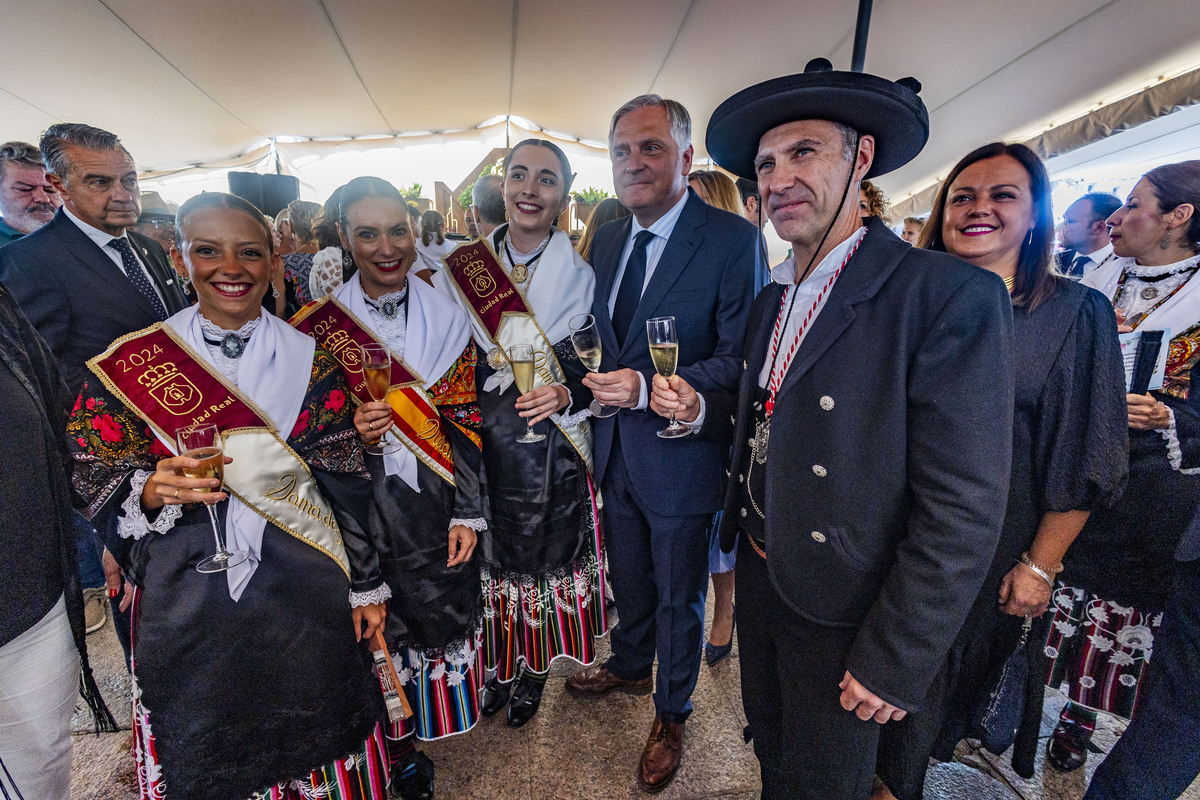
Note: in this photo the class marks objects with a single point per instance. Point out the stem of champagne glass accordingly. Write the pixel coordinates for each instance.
(222, 554)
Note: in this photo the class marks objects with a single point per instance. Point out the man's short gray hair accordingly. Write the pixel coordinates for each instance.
(58, 138)
(487, 194)
(677, 115)
(22, 153)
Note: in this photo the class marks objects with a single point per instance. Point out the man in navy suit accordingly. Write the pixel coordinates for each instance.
(84, 279)
(676, 256)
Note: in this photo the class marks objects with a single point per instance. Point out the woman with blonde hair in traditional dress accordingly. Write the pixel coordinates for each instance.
(247, 682)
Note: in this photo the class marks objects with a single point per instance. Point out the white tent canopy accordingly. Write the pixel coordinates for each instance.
(198, 83)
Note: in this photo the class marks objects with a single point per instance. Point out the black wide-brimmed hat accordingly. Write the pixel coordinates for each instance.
(890, 111)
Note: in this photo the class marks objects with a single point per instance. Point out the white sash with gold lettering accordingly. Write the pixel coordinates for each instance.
(267, 479)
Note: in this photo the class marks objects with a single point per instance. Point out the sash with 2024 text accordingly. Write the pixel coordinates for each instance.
(415, 420)
(160, 378)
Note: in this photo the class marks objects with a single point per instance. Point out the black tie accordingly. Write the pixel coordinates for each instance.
(630, 293)
(137, 276)
(1080, 263)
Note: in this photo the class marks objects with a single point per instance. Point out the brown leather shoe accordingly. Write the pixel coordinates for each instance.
(661, 756)
(595, 681)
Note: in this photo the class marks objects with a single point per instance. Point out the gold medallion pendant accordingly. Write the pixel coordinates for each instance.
(520, 273)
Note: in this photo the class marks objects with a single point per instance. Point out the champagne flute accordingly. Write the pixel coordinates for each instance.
(377, 372)
(521, 358)
(203, 442)
(664, 350)
(585, 338)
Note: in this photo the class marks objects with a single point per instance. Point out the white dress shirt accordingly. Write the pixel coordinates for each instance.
(1097, 257)
(800, 298)
(661, 228)
(102, 239)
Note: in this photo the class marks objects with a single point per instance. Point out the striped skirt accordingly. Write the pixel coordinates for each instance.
(443, 690)
(1100, 649)
(529, 621)
(360, 775)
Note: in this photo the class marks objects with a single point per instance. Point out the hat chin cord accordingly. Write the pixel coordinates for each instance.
(837, 211)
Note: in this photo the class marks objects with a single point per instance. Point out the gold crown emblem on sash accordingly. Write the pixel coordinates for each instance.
(339, 345)
(481, 280)
(171, 388)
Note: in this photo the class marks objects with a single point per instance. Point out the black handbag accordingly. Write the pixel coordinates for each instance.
(997, 715)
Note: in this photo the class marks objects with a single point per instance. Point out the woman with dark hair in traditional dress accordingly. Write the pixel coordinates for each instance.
(543, 564)
(249, 682)
(427, 502)
(1109, 600)
(1069, 441)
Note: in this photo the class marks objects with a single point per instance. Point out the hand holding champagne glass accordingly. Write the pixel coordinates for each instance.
(204, 443)
(521, 359)
(664, 350)
(377, 371)
(585, 338)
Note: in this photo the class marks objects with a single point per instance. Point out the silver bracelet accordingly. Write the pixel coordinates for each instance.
(1038, 571)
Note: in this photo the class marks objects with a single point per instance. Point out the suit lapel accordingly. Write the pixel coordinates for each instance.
(861, 280)
(681, 246)
(95, 259)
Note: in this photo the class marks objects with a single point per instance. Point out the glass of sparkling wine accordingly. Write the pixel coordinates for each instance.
(377, 371)
(664, 350)
(585, 337)
(204, 442)
(521, 358)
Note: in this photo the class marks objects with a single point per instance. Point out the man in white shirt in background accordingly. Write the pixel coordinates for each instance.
(1084, 234)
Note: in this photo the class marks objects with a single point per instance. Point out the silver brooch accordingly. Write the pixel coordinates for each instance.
(495, 359)
(232, 346)
(1150, 292)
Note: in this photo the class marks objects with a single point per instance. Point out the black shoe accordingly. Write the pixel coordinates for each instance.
(495, 696)
(1068, 747)
(525, 701)
(716, 653)
(412, 779)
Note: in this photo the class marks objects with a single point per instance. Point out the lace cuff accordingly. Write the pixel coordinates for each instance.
(1174, 452)
(134, 524)
(371, 598)
(477, 524)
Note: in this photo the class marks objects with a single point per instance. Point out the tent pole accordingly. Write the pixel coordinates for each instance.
(861, 28)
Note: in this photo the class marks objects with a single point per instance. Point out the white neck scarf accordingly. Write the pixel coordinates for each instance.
(274, 373)
(437, 332)
(1176, 315)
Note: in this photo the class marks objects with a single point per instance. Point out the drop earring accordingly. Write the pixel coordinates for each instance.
(274, 289)
(1166, 242)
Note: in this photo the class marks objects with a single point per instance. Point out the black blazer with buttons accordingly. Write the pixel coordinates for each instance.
(889, 455)
(77, 297)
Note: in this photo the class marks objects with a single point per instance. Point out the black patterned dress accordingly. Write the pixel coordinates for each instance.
(270, 696)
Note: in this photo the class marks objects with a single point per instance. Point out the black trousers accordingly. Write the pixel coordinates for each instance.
(808, 746)
(1158, 756)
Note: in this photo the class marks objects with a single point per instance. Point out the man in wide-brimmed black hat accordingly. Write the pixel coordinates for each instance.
(873, 434)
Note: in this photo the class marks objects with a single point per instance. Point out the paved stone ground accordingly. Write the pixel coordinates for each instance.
(588, 751)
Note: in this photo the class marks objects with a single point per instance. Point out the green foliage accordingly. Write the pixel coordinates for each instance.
(464, 197)
(411, 192)
(590, 196)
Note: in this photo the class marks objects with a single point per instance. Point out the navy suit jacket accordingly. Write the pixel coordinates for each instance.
(705, 279)
(890, 452)
(77, 297)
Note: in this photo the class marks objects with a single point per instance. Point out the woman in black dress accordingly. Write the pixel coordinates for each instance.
(1069, 441)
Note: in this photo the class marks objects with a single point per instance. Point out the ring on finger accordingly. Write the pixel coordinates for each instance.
(177, 492)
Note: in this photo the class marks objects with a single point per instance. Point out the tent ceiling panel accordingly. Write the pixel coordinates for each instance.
(98, 71)
(429, 65)
(185, 83)
(279, 68)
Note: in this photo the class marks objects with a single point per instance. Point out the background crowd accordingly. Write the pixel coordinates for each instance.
(916, 460)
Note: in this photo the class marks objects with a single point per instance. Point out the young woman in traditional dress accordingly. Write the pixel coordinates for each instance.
(1069, 445)
(426, 502)
(249, 682)
(543, 563)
